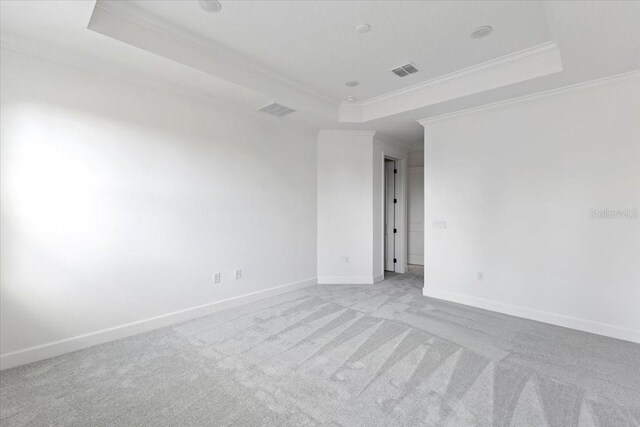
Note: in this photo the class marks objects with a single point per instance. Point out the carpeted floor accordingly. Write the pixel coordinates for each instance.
(366, 355)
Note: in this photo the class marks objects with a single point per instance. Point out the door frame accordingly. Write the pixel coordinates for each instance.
(391, 213)
(401, 219)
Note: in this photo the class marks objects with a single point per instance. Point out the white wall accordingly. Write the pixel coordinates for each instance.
(515, 185)
(415, 204)
(383, 147)
(118, 204)
(415, 215)
(351, 204)
(415, 157)
(345, 198)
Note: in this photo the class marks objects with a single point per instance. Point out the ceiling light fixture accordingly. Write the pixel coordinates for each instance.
(363, 28)
(481, 32)
(352, 83)
(210, 5)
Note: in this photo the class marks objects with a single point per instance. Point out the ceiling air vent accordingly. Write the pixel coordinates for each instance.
(405, 70)
(276, 110)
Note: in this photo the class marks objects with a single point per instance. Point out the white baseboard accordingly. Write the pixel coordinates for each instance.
(605, 329)
(378, 278)
(345, 280)
(68, 345)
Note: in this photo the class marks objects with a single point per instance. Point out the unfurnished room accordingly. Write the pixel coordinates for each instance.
(319, 213)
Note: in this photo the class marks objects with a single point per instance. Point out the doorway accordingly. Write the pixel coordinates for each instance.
(391, 215)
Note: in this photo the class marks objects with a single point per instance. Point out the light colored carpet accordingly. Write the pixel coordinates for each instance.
(366, 355)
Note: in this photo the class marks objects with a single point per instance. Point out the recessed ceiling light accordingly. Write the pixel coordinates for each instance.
(210, 5)
(481, 32)
(363, 28)
(352, 83)
(350, 99)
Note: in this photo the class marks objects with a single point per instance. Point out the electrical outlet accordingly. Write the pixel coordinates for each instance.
(238, 274)
(216, 277)
(480, 275)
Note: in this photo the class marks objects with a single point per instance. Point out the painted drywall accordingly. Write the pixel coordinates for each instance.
(120, 202)
(509, 193)
(415, 204)
(415, 215)
(350, 204)
(345, 198)
(415, 157)
(384, 147)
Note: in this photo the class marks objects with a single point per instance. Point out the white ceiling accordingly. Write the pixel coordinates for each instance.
(301, 53)
(315, 42)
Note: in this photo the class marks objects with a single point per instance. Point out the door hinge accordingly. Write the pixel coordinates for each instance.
(395, 260)
(395, 230)
(395, 171)
(395, 200)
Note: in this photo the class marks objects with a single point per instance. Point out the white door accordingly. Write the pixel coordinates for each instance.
(390, 231)
(416, 215)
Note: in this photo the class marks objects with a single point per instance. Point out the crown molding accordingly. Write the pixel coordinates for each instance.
(50, 54)
(124, 22)
(537, 61)
(120, 20)
(521, 55)
(206, 46)
(561, 91)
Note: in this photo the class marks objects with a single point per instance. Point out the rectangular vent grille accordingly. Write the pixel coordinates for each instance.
(405, 70)
(276, 110)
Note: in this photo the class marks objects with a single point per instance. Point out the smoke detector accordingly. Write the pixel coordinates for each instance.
(405, 70)
(277, 110)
